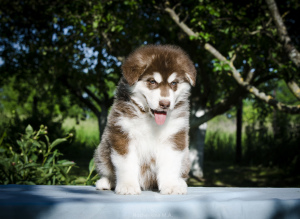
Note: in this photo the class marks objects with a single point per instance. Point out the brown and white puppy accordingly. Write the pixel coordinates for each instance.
(145, 142)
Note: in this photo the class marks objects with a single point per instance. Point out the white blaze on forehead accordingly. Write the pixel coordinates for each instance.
(157, 77)
(172, 77)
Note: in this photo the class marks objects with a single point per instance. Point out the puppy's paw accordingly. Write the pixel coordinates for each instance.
(174, 189)
(128, 189)
(103, 184)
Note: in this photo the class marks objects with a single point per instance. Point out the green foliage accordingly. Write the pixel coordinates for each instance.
(34, 160)
(62, 60)
(229, 175)
(219, 66)
(219, 146)
(88, 176)
(68, 60)
(283, 93)
(92, 176)
(85, 131)
(277, 147)
(272, 142)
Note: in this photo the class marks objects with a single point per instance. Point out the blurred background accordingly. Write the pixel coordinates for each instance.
(60, 64)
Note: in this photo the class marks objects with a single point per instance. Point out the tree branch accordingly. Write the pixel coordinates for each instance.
(293, 86)
(236, 75)
(220, 108)
(92, 95)
(108, 43)
(181, 24)
(293, 53)
(78, 94)
(252, 89)
(289, 48)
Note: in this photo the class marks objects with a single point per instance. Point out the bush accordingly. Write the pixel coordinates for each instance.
(270, 149)
(33, 160)
(89, 180)
(219, 146)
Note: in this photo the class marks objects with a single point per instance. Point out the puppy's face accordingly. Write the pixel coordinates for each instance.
(162, 79)
(158, 93)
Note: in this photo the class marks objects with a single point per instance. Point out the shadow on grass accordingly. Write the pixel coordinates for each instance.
(228, 175)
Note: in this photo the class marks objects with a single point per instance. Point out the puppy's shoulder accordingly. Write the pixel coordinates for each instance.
(123, 109)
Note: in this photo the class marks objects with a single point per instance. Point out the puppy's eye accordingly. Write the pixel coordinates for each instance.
(174, 83)
(151, 81)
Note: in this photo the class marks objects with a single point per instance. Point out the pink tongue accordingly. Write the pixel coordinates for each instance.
(160, 117)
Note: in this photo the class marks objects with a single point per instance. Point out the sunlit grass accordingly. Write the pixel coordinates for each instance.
(219, 146)
(86, 139)
(219, 150)
(86, 132)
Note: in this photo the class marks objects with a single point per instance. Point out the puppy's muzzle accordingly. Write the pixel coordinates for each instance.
(164, 104)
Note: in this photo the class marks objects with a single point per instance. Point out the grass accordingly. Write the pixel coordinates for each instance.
(87, 131)
(218, 174)
(219, 150)
(219, 146)
(81, 150)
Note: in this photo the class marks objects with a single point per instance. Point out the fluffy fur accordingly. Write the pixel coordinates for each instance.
(145, 143)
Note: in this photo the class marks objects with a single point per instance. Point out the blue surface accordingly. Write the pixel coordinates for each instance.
(20, 201)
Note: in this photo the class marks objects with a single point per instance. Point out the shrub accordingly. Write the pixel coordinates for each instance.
(219, 146)
(34, 160)
(91, 178)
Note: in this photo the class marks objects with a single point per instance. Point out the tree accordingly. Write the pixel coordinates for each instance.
(75, 49)
(47, 46)
(228, 64)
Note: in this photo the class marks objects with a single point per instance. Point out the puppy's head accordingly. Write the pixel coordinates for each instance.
(159, 78)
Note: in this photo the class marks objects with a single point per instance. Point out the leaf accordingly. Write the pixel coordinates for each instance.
(27, 183)
(20, 143)
(80, 180)
(193, 37)
(62, 171)
(57, 142)
(67, 163)
(2, 137)
(29, 130)
(36, 143)
(47, 139)
(95, 24)
(92, 165)
(29, 165)
(15, 158)
(34, 157)
(49, 160)
(53, 180)
(193, 20)
(226, 67)
(43, 179)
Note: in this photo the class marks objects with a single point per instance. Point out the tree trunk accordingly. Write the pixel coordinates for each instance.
(239, 121)
(102, 120)
(275, 126)
(197, 137)
(35, 106)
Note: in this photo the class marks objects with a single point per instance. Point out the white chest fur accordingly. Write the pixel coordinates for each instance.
(148, 142)
(147, 137)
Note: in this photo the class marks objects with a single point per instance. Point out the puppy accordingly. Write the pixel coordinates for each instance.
(145, 143)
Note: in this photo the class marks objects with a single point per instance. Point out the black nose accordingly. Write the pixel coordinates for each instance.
(164, 104)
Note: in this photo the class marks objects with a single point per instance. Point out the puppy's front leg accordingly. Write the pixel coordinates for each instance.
(127, 173)
(169, 172)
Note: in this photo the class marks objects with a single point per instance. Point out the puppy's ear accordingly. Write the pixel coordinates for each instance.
(189, 69)
(132, 72)
(190, 75)
(134, 66)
